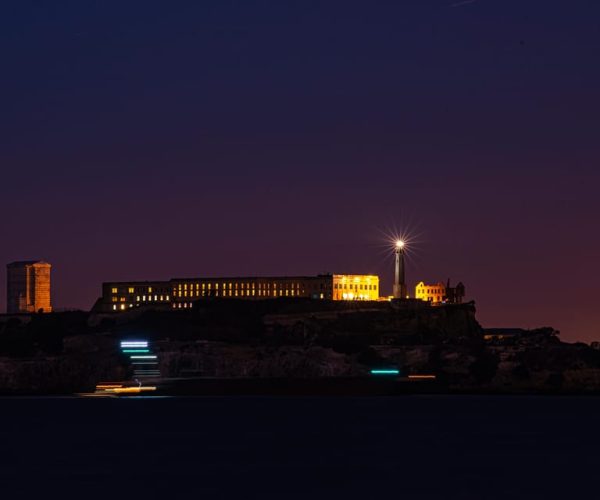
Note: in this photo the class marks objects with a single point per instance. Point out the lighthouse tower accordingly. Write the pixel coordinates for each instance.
(400, 290)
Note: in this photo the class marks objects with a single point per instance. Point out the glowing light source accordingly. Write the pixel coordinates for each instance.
(385, 372)
(134, 343)
(136, 350)
(400, 244)
(143, 357)
(131, 390)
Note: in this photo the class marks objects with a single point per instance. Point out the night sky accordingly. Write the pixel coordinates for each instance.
(150, 140)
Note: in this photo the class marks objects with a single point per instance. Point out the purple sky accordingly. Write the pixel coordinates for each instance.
(162, 139)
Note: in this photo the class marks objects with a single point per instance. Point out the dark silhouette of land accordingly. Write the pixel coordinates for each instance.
(293, 339)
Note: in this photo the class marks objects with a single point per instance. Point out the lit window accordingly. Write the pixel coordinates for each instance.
(149, 289)
(168, 298)
(131, 290)
(115, 290)
(115, 299)
(114, 308)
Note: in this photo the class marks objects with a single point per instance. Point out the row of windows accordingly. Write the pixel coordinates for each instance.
(182, 305)
(346, 286)
(240, 293)
(234, 285)
(139, 289)
(181, 288)
(121, 307)
(352, 296)
(144, 298)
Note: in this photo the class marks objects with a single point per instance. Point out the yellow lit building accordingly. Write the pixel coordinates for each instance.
(355, 287)
(430, 293)
(181, 293)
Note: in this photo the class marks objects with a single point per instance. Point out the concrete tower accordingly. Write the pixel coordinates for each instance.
(28, 287)
(400, 290)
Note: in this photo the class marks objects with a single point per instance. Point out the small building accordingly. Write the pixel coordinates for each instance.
(28, 287)
(435, 293)
(439, 293)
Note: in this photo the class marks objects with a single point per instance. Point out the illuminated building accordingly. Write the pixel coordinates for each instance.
(355, 287)
(438, 292)
(28, 287)
(181, 293)
(431, 293)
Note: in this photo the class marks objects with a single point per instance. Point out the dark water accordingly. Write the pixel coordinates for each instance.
(413, 447)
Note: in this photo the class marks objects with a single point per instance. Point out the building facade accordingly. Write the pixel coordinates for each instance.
(431, 293)
(181, 293)
(438, 292)
(28, 287)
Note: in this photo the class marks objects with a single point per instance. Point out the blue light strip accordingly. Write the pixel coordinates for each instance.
(385, 372)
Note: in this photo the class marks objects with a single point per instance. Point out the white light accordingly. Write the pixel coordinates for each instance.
(126, 343)
(400, 244)
(143, 357)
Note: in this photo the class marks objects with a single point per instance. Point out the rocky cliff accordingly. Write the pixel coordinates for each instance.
(71, 352)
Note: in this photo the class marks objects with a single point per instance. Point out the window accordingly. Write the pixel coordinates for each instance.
(149, 289)
(131, 290)
(114, 290)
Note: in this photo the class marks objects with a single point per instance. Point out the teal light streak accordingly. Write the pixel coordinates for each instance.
(136, 350)
(385, 372)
